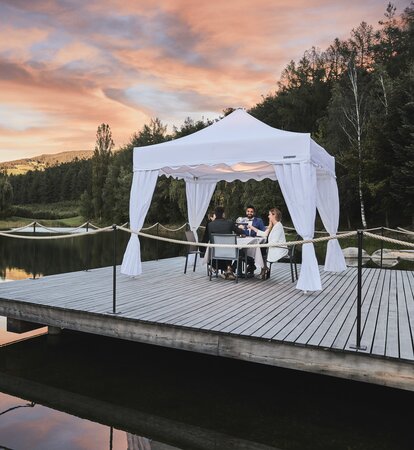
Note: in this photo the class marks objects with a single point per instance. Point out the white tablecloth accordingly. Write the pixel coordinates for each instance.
(254, 252)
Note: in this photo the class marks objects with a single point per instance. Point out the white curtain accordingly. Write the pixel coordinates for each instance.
(327, 202)
(198, 199)
(143, 185)
(298, 185)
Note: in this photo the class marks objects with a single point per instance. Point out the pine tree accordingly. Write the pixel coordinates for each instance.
(100, 165)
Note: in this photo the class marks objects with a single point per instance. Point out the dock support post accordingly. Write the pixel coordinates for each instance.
(359, 294)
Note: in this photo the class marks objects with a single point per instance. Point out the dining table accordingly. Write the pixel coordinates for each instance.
(254, 252)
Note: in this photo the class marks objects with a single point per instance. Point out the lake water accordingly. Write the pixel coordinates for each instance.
(79, 391)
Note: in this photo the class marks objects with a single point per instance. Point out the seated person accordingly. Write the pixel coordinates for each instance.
(253, 223)
(275, 235)
(222, 226)
(205, 239)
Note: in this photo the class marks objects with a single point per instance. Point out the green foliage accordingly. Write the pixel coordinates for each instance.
(49, 211)
(6, 195)
(100, 166)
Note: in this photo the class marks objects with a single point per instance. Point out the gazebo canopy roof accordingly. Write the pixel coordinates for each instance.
(236, 147)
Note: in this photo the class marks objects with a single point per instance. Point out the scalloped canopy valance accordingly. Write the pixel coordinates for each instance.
(236, 147)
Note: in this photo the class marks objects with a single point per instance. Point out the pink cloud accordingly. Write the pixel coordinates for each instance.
(78, 64)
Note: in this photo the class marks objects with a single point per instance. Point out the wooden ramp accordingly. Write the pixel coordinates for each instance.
(267, 322)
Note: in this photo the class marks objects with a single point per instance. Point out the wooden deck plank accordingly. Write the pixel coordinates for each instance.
(264, 311)
(294, 310)
(332, 308)
(291, 327)
(380, 336)
(371, 310)
(339, 333)
(247, 307)
(392, 339)
(405, 331)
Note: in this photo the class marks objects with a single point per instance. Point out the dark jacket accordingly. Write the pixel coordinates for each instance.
(221, 226)
(257, 223)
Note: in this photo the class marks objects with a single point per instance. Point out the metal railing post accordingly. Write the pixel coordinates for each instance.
(114, 227)
(34, 253)
(359, 294)
(382, 244)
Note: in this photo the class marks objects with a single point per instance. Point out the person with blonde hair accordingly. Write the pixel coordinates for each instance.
(275, 234)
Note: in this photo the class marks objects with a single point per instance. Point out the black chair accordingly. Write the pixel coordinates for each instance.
(220, 253)
(291, 259)
(192, 250)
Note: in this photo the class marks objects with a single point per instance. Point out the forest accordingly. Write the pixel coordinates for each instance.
(356, 98)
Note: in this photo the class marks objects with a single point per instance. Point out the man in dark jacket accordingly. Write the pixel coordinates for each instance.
(221, 225)
(256, 222)
(252, 220)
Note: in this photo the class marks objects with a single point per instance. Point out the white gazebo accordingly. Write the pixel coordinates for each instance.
(240, 147)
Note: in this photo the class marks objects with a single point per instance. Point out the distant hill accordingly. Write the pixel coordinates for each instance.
(21, 166)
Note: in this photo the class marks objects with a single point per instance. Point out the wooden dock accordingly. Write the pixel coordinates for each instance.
(267, 322)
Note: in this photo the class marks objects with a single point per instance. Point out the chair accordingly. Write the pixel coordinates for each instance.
(192, 250)
(227, 254)
(290, 258)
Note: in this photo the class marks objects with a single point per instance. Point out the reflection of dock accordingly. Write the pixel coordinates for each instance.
(163, 431)
(267, 322)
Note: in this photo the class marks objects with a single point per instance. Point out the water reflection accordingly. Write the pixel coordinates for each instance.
(157, 398)
(22, 258)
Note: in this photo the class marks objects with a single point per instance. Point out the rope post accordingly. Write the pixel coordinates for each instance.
(114, 270)
(358, 346)
(382, 244)
(88, 250)
(34, 253)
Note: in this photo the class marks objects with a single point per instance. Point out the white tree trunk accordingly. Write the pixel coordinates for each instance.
(357, 119)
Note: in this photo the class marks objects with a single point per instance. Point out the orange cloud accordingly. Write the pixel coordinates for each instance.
(66, 67)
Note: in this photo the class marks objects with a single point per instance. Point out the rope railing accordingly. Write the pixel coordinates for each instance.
(173, 230)
(340, 235)
(14, 230)
(60, 236)
(53, 230)
(71, 234)
(387, 239)
(208, 245)
(402, 230)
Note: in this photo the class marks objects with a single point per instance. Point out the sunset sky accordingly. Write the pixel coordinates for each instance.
(66, 66)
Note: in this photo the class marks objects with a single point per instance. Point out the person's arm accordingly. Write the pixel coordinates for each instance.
(259, 233)
(239, 231)
(260, 225)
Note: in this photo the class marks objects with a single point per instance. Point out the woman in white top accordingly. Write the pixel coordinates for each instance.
(276, 235)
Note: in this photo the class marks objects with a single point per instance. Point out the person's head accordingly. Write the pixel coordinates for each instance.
(250, 212)
(219, 212)
(275, 215)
